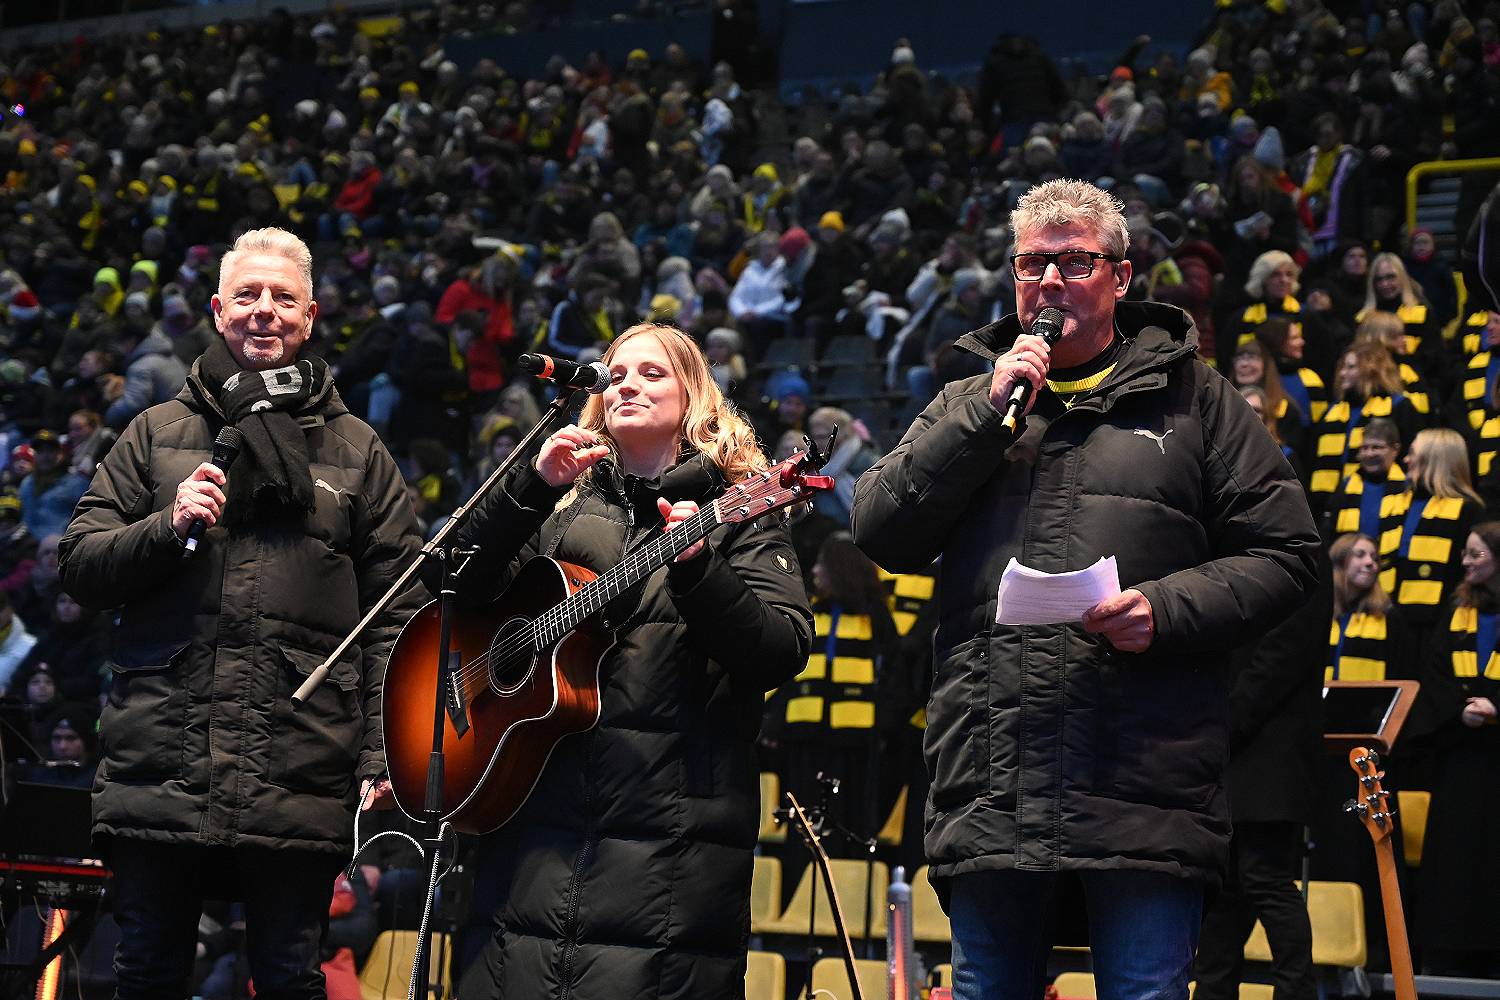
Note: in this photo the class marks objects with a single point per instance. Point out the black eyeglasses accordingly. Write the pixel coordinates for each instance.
(1072, 264)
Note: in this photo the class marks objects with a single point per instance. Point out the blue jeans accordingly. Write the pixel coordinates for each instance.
(158, 895)
(1143, 929)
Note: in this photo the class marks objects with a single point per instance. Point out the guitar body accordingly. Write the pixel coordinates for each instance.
(506, 713)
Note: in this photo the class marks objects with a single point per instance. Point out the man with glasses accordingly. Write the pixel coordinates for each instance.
(1095, 746)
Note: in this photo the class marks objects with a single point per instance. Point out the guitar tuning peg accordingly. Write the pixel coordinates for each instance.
(1356, 807)
(1374, 759)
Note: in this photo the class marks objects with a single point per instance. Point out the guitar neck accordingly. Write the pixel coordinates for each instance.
(1395, 922)
(634, 568)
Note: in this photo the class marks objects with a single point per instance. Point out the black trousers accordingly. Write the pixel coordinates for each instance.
(158, 895)
(1263, 865)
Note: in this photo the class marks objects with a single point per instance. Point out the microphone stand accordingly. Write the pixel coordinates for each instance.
(433, 842)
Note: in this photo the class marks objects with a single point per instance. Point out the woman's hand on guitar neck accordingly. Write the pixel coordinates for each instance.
(567, 454)
(675, 512)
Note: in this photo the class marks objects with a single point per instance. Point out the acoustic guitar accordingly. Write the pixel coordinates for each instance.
(1372, 805)
(524, 672)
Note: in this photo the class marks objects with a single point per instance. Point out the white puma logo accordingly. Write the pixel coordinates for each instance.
(1158, 438)
(337, 492)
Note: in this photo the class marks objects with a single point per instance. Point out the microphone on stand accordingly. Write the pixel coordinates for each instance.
(226, 449)
(1048, 326)
(594, 376)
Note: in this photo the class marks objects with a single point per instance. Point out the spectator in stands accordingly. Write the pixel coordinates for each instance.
(153, 373)
(1391, 289)
(49, 493)
(1387, 330)
(1270, 291)
(17, 546)
(1461, 850)
(1436, 514)
(1433, 273)
(16, 642)
(1254, 365)
(758, 302)
(1331, 175)
(1367, 386)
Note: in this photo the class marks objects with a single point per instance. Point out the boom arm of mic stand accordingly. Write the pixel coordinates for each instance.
(555, 411)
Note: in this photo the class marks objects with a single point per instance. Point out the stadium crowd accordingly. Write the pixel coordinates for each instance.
(461, 216)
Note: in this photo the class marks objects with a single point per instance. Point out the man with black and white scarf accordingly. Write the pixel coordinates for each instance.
(209, 779)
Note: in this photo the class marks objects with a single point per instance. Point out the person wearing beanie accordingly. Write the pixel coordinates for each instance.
(760, 204)
(724, 349)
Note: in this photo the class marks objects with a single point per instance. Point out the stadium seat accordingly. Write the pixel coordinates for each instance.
(890, 833)
(765, 893)
(387, 970)
(1081, 985)
(1412, 806)
(771, 832)
(830, 975)
(942, 975)
(851, 383)
(856, 882)
(765, 976)
(1337, 912)
(788, 352)
(848, 350)
(928, 921)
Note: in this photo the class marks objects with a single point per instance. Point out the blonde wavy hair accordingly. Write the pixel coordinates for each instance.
(1378, 374)
(710, 424)
(1374, 601)
(1062, 202)
(1380, 327)
(1266, 265)
(1440, 465)
(275, 242)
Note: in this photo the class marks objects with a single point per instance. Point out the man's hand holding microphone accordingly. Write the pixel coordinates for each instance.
(1019, 372)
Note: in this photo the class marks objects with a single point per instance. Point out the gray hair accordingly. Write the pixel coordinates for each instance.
(1266, 265)
(273, 241)
(1063, 202)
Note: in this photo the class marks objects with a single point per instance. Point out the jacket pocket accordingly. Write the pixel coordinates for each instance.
(143, 727)
(317, 746)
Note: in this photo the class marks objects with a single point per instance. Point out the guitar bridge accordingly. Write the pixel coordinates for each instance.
(454, 701)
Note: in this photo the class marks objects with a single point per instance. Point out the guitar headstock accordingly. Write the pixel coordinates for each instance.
(1371, 802)
(785, 484)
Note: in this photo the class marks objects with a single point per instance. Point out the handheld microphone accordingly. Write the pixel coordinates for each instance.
(226, 449)
(1048, 326)
(594, 376)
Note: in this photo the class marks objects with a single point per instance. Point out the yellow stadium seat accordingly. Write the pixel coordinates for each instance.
(1412, 806)
(1337, 913)
(928, 921)
(765, 976)
(854, 880)
(1074, 985)
(387, 972)
(829, 974)
(771, 832)
(890, 834)
(942, 975)
(765, 893)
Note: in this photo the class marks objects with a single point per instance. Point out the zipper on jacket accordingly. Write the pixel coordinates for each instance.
(570, 922)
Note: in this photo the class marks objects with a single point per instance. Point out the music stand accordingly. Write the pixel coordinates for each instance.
(1366, 713)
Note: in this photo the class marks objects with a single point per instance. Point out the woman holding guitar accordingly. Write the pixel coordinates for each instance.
(626, 873)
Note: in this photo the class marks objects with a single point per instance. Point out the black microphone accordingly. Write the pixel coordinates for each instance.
(226, 449)
(594, 376)
(1048, 326)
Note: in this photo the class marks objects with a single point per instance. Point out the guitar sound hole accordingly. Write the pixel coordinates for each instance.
(510, 655)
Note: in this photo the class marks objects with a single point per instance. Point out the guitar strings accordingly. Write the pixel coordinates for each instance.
(524, 640)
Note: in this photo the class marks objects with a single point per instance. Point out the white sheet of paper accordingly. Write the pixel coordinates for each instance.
(1031, 597)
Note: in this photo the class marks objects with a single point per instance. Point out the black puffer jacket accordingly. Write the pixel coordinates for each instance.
(1047, 748)
(627, 872)
(199, 742)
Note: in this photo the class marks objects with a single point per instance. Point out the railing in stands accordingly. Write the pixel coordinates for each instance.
(1440, 168)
